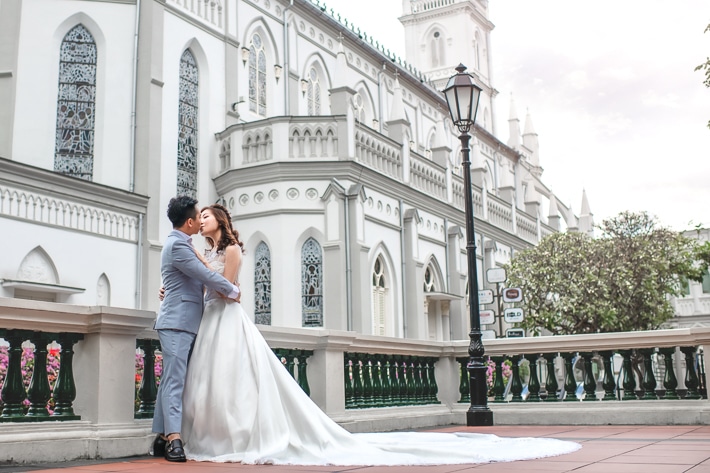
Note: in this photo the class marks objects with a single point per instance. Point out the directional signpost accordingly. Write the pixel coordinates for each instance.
(507, 295)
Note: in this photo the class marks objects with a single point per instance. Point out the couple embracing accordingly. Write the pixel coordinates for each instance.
(235, 402)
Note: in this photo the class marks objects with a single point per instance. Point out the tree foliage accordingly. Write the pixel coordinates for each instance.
(705, 67)
(621, 281)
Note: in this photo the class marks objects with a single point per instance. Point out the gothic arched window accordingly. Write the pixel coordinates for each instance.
(429, 280)
(379, 298)
(257, 76)
(312, 284)
(187, 126)
(76, 105)
(437, 50)
(262, 285)
(313, 92)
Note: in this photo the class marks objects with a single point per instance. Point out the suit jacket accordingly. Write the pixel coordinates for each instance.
(184, 276)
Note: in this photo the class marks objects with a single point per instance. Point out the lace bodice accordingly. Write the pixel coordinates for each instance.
(216, 261)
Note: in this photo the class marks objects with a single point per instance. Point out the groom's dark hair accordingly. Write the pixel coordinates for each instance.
(181, 208)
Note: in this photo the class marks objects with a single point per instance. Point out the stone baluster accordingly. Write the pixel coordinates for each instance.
(148, 391)
(13, 390)
(464, 380)
(498, 383)
(516, 386)
(534, 383)
(570, 382)
(358, 399)
(366, 380)
(376, 381)
(608, 382)
(691, 377)
(551, 379)
(409, 378)
(629, 381)
(670, 382)
(387, 376)
(649, 380)
(433, 387)
(401, 382)
(39, 392)
(302, 357)
(64, 387)
(590, 381)
(418, 381)
(348, 377)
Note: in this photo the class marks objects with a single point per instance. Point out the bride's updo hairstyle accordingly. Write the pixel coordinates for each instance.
(229, 235)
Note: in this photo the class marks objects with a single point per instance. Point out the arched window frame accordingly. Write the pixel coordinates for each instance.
(311, 284)
(262, 284)
(313, 92)
(380, 293)
(76, 104)
(187, 142)
(257, 75)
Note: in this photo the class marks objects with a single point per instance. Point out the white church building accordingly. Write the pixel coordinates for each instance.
(334, 156)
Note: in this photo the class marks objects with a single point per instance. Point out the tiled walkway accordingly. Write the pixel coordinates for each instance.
(605, 449)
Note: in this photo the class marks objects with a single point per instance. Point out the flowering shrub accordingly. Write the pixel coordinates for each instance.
(491, 373)
(27, 363)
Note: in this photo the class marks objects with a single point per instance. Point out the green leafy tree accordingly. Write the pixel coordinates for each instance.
(621, 281)
(705, 67)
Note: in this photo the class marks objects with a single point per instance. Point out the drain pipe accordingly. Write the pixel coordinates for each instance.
(348, 267)
(134, 94)
(287, 103)
(404, 269)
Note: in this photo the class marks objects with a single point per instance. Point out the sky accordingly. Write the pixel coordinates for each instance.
(612, 92)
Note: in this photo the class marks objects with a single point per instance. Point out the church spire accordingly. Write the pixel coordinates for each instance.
(586, 218)
(513, 125)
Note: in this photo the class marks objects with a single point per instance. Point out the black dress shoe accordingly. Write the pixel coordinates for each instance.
(158, 447)
(174, 451)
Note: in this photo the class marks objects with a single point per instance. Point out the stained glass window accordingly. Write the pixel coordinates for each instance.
(262, 285)
(429, 285)
(257, 76)
(76, 105)
(312, 284)
(187, 126)
(379, 295)
(313, 93)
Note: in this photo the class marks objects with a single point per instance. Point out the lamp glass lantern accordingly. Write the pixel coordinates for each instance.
(245, 55)
(462, 95)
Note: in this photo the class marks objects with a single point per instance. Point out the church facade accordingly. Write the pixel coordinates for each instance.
(334, 156)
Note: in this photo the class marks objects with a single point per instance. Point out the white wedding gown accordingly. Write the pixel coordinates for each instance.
(241, 405)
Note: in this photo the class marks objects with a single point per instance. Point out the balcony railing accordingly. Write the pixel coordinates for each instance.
(356, 379)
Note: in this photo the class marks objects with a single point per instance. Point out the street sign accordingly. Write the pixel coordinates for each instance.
(487, 317)
(488, 334)
(512, 294)
(485, 296)
(513, 315)
(495, 275)
(515, 333)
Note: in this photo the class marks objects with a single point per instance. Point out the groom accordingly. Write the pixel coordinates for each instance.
(184, 276)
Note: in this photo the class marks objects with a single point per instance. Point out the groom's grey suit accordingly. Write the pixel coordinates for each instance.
(184, 277)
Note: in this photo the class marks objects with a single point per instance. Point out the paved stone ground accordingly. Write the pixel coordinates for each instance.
(605, 449)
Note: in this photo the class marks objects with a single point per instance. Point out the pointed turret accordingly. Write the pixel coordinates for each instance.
(532, 199)
(398, 125)
(440, 150)
(513, 126)
(586, 218)
(341, 94)
(530, 140)
(553, 214)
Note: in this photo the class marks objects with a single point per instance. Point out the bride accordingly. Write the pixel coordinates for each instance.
(241, 405)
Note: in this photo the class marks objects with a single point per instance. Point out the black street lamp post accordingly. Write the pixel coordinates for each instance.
(462, 95)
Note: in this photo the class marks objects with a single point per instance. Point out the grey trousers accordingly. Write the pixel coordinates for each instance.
(176, 346)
